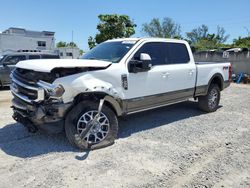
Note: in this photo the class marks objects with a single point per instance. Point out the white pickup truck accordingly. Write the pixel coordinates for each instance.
(86, 96)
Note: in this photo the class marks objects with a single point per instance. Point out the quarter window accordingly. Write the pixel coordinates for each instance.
(34, 57)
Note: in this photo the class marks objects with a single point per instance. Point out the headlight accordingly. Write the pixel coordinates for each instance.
(54, 91)
(57, 91)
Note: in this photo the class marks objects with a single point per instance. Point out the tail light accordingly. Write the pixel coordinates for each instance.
(230, 72)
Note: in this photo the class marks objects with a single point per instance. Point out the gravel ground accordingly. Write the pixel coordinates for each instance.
(175, 146)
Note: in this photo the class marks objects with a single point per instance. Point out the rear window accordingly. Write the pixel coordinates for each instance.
(34, 57)
(49, 57)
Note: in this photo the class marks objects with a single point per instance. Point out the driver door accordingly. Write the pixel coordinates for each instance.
(144, 87)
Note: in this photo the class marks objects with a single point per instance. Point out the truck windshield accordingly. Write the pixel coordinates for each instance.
(109, 51)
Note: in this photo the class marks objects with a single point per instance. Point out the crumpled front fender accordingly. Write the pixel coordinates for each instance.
(87, 83)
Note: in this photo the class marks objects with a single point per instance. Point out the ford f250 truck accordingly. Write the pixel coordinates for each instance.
(118, 77)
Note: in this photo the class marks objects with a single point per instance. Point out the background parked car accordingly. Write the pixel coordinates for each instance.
(8, 62)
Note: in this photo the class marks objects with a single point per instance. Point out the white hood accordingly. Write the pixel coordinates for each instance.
(46, 65)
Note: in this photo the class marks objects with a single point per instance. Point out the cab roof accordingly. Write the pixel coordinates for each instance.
(147, 39)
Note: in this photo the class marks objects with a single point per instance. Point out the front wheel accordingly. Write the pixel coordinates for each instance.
(103, 131)
(210, 102)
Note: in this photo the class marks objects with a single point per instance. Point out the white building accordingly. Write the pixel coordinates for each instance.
(68, 52)
(19, 39)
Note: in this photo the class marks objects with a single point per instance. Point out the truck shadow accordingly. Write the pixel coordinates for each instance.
(16, 141)
(157, 117)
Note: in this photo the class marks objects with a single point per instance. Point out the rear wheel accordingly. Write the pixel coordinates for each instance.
(210, 102)
(103, 131)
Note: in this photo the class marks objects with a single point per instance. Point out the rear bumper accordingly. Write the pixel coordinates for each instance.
(48, 117)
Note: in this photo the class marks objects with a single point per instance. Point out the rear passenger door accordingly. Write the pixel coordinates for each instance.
(180, 70)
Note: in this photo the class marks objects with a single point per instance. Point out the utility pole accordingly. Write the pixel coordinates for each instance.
(72, 39)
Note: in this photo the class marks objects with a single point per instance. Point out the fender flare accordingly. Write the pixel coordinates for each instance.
(115, 104)
(217, 75)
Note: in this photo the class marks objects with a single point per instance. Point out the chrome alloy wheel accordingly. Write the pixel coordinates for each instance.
(213, 99)
(98, 131)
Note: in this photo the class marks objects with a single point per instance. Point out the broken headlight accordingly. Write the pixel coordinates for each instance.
(53, 91)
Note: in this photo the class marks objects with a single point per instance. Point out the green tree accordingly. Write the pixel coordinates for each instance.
(221, 35)
(81, 52)
(167, 29)
(197, 34)
(91, 42)
(112, 26)
(242, 42)
(61, 44)
(71, 44)
(201, 39)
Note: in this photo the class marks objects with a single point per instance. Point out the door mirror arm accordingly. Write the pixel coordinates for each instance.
(142, 65)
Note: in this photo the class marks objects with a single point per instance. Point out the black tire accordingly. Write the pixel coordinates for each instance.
(205, 101)
(75, 114)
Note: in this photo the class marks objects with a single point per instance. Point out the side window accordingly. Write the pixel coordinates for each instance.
(177, 53)
(163, 53)
(49, 56)
(69, 54)
(34, 57)
(156, 52)
(41, 43)
(12, 60)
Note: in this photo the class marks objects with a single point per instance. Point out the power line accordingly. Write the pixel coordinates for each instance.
(216, 20)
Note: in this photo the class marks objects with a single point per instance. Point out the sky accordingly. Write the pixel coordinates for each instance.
(81, 16)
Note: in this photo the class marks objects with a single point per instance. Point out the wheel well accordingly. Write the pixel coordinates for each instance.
(218, 81)
(94, 97)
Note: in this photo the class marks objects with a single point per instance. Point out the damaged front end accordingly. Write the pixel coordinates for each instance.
(37, 104)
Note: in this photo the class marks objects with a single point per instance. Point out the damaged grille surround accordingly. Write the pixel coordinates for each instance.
(30, 91)
(32, 101)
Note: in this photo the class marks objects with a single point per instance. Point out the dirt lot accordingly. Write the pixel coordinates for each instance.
(175, 146)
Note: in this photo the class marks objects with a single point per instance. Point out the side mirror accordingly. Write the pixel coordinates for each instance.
(142, 65)
(145, 57)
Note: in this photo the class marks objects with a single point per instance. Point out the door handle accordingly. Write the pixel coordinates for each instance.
(165, 74)
(191, 72)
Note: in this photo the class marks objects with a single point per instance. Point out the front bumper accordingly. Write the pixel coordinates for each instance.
(47, 116)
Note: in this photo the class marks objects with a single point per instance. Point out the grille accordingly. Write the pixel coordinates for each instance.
(24, 86)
